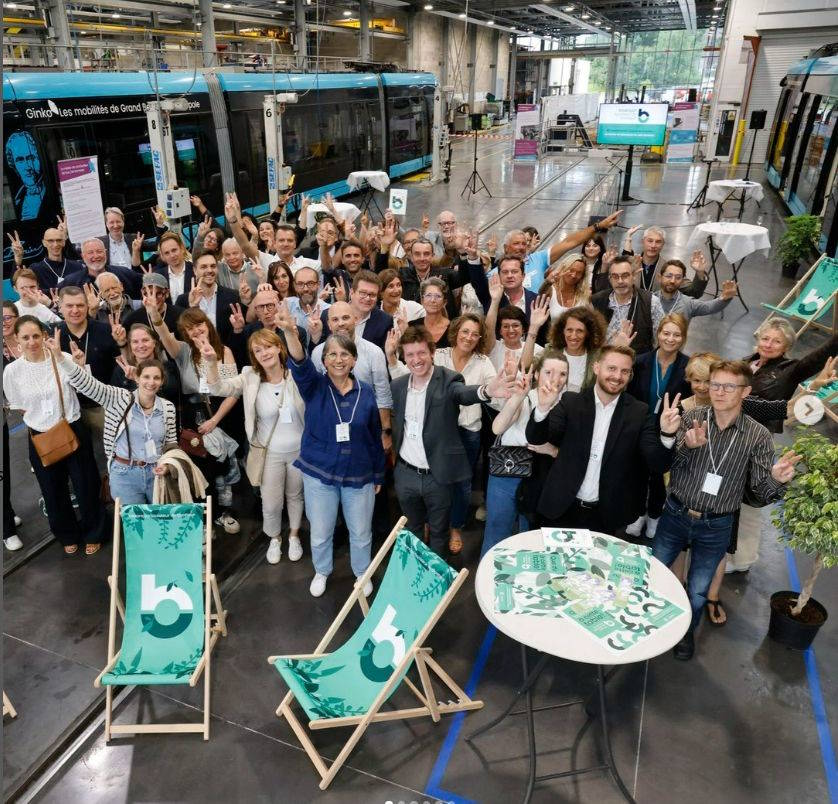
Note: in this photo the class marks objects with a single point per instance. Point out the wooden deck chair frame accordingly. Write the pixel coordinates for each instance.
(421, 655)
(8, 709)
(795, 292)
(215, 625)
(828, 402)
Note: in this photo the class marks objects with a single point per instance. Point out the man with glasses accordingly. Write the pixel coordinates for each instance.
(372, 323)
(52, 270)
(307, 306)
(719, 450)
(265, 304)
(672, 292)
(442, 239)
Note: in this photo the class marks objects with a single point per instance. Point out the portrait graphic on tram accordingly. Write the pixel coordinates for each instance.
(23, 159)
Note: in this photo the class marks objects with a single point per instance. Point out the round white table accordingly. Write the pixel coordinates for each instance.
(739, 190)
(346, 211)
(732, 239)
(556, 636)
(368, 181)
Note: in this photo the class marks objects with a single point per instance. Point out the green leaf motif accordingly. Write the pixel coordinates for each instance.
(135, 663)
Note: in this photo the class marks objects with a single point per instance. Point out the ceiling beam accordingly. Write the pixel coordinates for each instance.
(552, 12)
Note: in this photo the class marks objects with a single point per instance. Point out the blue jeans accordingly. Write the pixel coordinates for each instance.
(132, 484)
(502, 517)
(322, 511)
(708, 538)
(461, 492)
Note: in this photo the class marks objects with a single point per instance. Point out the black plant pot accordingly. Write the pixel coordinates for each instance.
(790, 270)
(789, 631)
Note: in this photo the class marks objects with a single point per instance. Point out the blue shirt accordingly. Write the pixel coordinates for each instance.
(357, 462)
(141, 429)
(535, 266)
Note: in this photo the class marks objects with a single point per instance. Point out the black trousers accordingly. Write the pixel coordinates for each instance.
(80, 470)
(577, 516)
(9, 527)
(423, 499)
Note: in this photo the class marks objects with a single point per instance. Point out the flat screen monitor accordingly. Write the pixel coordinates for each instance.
(632, 123)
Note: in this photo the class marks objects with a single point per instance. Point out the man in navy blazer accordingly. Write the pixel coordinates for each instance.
(95, 261)
(373, 323)
(216, 301)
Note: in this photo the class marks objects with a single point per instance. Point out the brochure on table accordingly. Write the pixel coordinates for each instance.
(597, 582)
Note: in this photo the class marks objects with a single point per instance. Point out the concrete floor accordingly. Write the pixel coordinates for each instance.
(734, 725)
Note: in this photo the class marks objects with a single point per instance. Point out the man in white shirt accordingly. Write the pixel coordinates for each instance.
(32, 301)
(234, 267)
(285, 244)
(118, 250)
(215, 301)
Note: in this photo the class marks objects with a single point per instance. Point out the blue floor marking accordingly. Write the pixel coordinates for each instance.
(432, 787)
(830, 764)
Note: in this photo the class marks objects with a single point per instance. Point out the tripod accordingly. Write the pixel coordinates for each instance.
(701, 199)
(475, 177)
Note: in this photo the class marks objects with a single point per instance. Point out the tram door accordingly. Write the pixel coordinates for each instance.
(367, 128)
(724, 129)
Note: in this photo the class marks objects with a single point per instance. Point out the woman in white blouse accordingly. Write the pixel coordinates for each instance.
(274, 415)
(31, 384)
(569, 287)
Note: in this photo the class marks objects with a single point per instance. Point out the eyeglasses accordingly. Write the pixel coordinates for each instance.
(367, 294)
(446, 224)
(271, 306)
(433, 296)
(312, 284)
(727, 387)
(9, 318)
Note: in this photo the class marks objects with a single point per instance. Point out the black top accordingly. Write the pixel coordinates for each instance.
(100, 351)
(51, 272)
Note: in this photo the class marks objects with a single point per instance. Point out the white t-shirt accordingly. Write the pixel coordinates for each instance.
(576, 371)
(412, 449)
(270, 402)
(40, 311)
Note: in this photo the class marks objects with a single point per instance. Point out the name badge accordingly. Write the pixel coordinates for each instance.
(712, 484)
(285, 415)
(342, 432)
(150, 448)
(412, 429)
(49, 411)
(203, 386)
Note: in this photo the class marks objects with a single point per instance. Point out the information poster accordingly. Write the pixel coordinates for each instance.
(527, 131)
(81, 196)
(632, 123)
(682, 123)
(398, 202)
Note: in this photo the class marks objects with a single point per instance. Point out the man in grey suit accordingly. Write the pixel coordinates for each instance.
(426, 441)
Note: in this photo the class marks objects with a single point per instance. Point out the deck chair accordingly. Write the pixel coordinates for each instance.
(349, 686)
(8, 709)
(828, 394)
(812, 298)
(169, 627)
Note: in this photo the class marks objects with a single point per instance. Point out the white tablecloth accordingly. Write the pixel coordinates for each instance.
(344, 210)
(736, 240)
(562, 638)
(375, 178)
(722, 189)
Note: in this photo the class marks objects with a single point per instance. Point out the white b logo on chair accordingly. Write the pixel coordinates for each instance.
(384, 632)
(165, 611)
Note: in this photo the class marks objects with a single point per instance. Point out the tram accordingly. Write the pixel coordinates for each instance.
(341, 122)
(802, 156)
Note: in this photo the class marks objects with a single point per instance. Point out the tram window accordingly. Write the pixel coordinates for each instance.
(801, 135)
(408, 121)
(197, 157)
(829, 225)
(817, 150)
(784, 125)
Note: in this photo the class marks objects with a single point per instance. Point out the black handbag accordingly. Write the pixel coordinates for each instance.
(509, 461)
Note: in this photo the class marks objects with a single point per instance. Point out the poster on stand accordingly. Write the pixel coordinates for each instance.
(81, 197)
(682, 122)
(527, 131)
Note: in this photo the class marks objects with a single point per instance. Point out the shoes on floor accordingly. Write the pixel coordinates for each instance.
(367, 590)
(13, 542)
(295, 548)
(651, 527)
(318, 585)
(226, 521)
(480, 514)
(18, 521)
(685, 648)
(274, 553)
(636, 527)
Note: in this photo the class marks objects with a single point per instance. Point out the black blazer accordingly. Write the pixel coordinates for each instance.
(378, 325)
(225, 297)
(443, 447)
(131, 280)
(188, 274)
(677, 383)
(632, 449)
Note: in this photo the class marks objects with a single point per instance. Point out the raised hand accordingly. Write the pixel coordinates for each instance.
(495, 287)
(54, 343)
(340, 291)
(388, 236)
(471, 244)
(492, 244)
(62, 224)
(539, 313)
(329, 201)
(523, 383)
(77, 354)
(137, 243)
(117, 330)
(826, 375)
(426, 222)
(391, 346)
(194, 297)
(245, 293)
(232, 210)
(626, 334)
(54, 297)
(365, 219)
(284, 320)
(159, 216)
(204, 226)
(548, 394)
(698, 263)
(400, 321)
(535, 242)
(148, 299)
(631, 232)
(251, 227)
(608, 257)
(728, 289)
(696, 436)
(17, 247)
(236, 318)
(459, 240)
(303, 219)
(500, 386)
(783, 470)
(670, 415)
(128, 370)
(510, 364)
(197, 203)
(206, 349)
(314, 325)
(92, 298)
(607, 223)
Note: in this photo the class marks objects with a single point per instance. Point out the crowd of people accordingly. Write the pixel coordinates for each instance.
(354, 368)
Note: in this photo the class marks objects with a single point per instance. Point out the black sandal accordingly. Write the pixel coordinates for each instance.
(713, 609)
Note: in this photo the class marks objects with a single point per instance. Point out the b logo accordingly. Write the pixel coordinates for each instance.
(165, 612)
(384, 634)
(642, 115)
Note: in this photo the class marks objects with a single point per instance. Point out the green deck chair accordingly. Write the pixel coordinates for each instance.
(349, 686)
(812, 298)
(169, 628)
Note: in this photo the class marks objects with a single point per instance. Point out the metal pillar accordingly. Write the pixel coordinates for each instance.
(207, 32)
(58, 29)
(513, 69)
(472, 57)
(364, 39)
(279, 174)
(493, 80)
(300, 33)
(411, 42)
(611, 80)
(446, 51)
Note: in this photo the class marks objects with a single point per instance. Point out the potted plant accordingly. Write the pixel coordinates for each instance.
(808, 522)
(799, 241)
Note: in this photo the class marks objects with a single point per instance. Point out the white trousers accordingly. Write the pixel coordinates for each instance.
(282, 483)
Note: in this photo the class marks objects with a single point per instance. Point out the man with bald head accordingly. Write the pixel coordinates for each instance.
(95, 260)
(442, 239)
(55, 267)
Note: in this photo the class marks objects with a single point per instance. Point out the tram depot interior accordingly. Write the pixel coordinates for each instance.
(427, 93)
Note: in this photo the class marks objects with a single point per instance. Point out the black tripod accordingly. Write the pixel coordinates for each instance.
(475, 177)
(701, 199)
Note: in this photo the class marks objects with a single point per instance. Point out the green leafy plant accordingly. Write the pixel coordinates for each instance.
(808, 516)
(800, 238)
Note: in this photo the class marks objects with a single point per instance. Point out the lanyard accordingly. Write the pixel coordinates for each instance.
(337, 410)
(58, 276)
(658, 378)
(710, 448)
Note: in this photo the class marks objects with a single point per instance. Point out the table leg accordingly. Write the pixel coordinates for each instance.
(530, 728)
(714, 253)
(735, 268)
(742, 203)
(606, 737)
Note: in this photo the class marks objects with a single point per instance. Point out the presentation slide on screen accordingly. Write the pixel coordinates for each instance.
(632, 123)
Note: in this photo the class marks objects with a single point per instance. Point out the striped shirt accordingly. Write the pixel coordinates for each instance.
(741, 453)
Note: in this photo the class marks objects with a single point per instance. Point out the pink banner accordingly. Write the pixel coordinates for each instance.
(73, 168)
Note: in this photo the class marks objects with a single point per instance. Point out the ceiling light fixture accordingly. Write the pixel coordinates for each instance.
(462, 16)
(227, 5)
(586, 16)
(429, 7)
(115, 15)
(597, 22)
(347, 13)
(490, 22)
(568, 8)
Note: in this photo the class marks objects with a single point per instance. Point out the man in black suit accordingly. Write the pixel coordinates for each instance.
(95, 261)
(372, 323)
(607, 444)
(169, 261)
(207, 294)
(426, 441)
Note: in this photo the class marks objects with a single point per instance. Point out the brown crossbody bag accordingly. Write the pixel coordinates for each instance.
(59, 441)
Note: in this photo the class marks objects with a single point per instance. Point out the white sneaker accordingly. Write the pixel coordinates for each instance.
(480, 514)
(13, 542)
(318, 585)
(274, 551)
(367, 589)
(295, 548)
(636, 527)
(18, 521)
(651, 527)
(227, 522)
